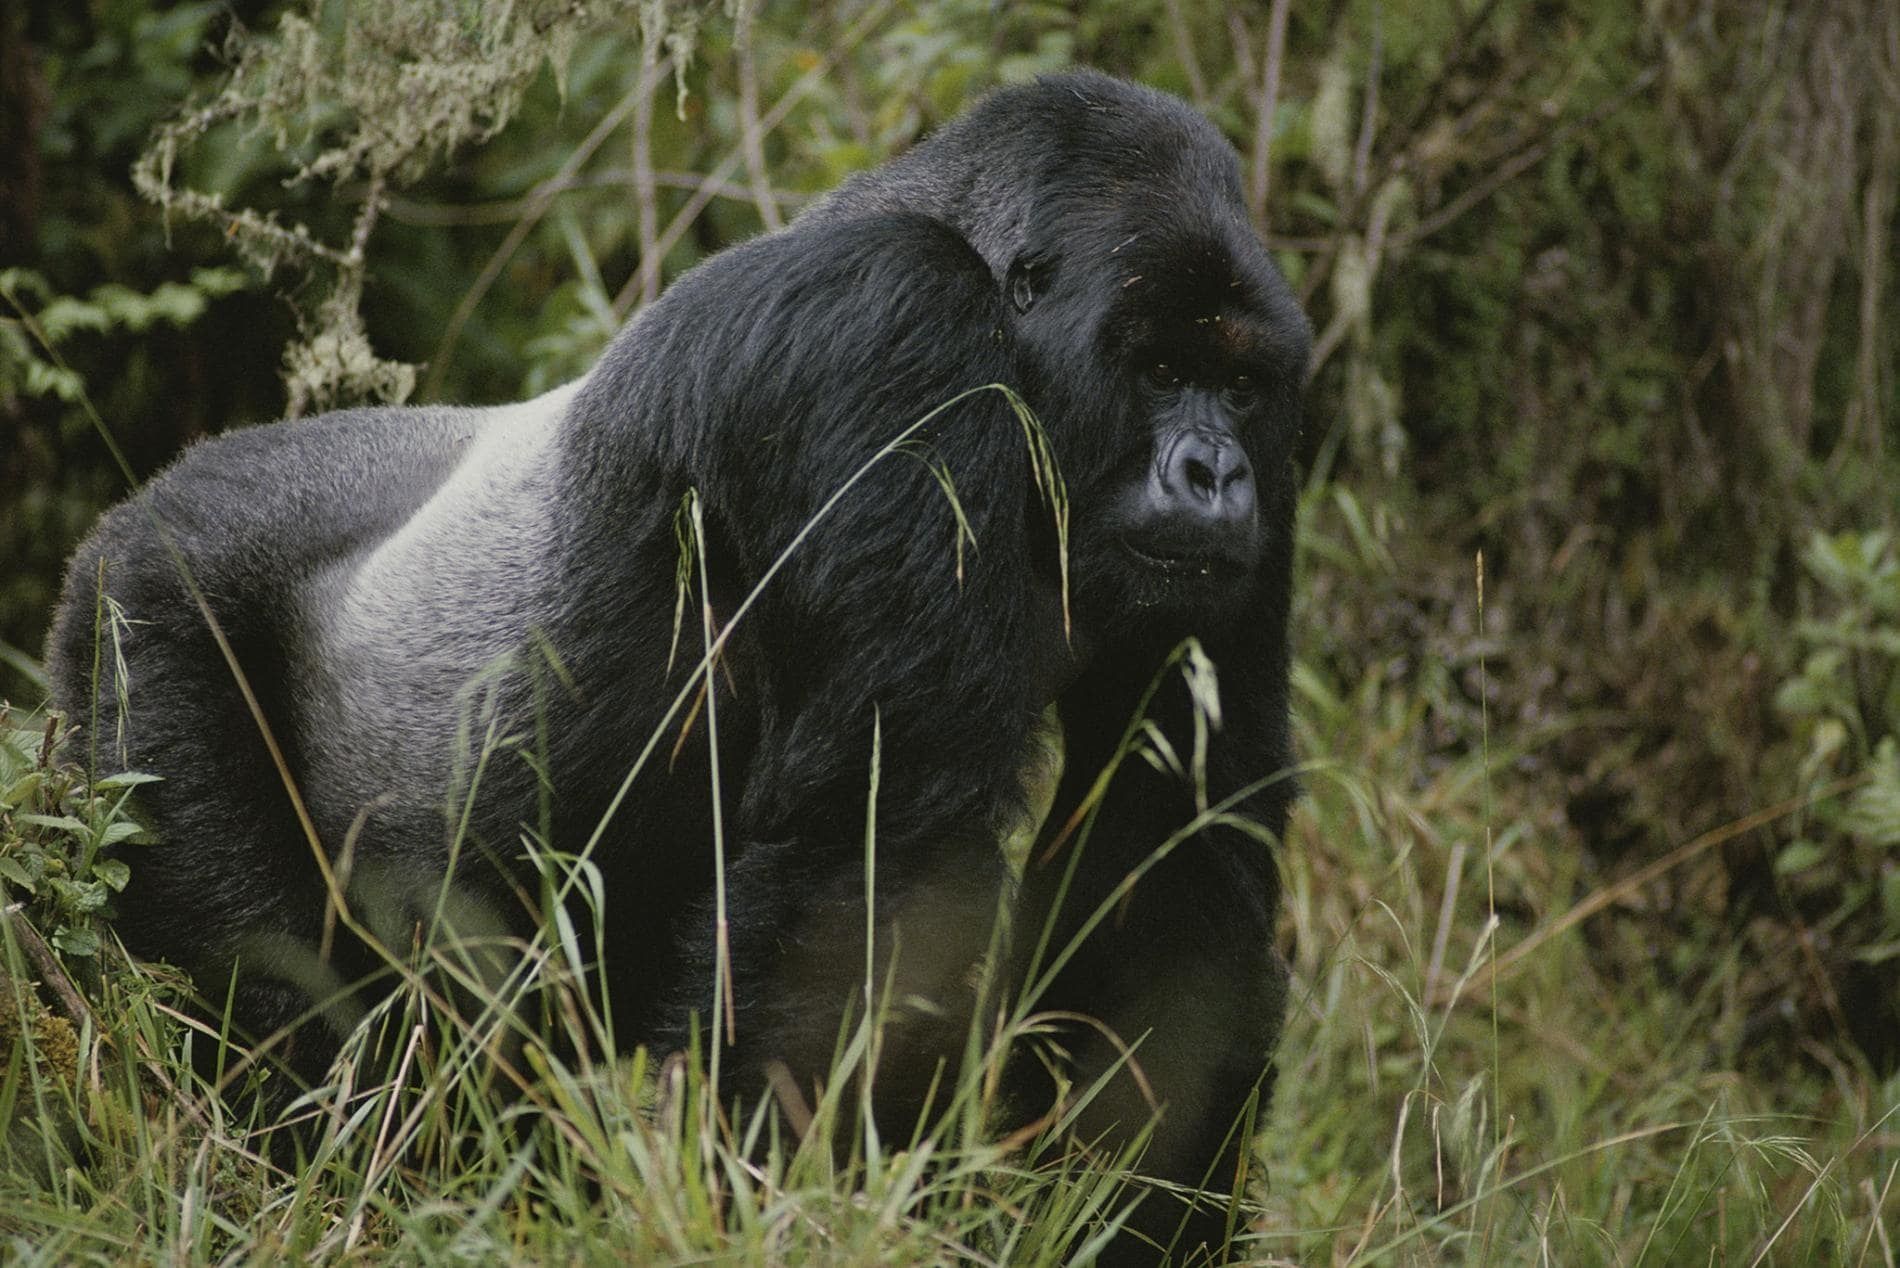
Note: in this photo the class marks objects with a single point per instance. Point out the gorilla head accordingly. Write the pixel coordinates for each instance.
(376, 574)
(1149, 321)
(1191, 334)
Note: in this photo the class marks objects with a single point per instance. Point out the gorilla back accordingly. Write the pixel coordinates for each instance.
(458, 629)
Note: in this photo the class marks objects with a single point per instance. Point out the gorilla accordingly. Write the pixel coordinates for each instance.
(374, 652)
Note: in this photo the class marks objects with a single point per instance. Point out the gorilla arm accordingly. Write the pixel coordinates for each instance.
(1182, 966)
(894, 615)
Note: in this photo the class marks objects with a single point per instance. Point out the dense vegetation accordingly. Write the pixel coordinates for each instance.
(1595, 895)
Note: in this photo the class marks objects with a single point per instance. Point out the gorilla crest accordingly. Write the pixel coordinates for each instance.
(401, 587)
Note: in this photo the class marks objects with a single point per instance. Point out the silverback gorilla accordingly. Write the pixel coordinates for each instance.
(388, 581)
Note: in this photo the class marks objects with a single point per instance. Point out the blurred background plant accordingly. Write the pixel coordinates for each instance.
(1600, 619)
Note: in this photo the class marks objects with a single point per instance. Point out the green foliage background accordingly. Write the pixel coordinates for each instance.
(1603, 443)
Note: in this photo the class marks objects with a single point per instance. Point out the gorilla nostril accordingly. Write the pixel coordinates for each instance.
(1203, 480)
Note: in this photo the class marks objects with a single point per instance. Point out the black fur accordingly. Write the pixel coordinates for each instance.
(1080, 239)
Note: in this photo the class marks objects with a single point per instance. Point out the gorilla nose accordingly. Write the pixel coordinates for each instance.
(1209, 478)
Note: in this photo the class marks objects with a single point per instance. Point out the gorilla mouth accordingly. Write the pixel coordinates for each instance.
(1182, 563)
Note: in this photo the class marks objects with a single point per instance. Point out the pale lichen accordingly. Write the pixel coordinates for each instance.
(370, 97)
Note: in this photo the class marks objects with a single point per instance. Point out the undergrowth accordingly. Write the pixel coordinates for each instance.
(1478, 1068)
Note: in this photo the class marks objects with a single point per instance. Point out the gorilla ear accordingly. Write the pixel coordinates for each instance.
(1026, 281)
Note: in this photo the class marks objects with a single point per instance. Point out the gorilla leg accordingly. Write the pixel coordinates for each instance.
(1181, 966)
(242, 524)
(815, 947)
(223, 805)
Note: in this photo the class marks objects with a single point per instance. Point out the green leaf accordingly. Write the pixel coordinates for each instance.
(18, 283)
(1799, 697)
(217, 282)
(119, 830)
(126, 779)
(66, 314)
(21, 788)
(11, 871)
(112, 872)
(1798, 856)
(59, 823)
(79, 898)
(76, 941)
(1879, 953)
(1874, 811)
(49, 380)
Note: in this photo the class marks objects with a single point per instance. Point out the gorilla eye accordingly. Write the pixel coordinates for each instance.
(1022, 292)
(1160, 374)
(1242, 391)
(1026, 281)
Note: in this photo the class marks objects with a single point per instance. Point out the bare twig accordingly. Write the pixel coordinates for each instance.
(1455, 62)
(684, 218)
(1264, 106)
(1401, 154)
(542, 199)
(751, 140)
(52, 973)
(1362, 152)
(851, 87)
(374, 200)
(1517, 164)
(1344, 320)
(1861, 427)
(1887, 64)
(1184, 51)
(645, 195)
(1240, 38)
(502, 211)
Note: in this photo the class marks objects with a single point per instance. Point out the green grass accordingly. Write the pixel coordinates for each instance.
(1497, 1054)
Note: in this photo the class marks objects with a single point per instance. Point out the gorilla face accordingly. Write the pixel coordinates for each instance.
(1169, 360)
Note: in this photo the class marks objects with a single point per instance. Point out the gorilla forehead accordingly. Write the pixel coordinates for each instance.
(1112, 159)
(1146, 198)
(1215, 297)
